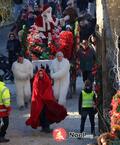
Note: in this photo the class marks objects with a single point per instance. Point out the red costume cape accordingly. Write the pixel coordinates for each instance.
(43, 95)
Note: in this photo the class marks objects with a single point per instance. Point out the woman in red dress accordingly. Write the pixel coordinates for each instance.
(44, 108)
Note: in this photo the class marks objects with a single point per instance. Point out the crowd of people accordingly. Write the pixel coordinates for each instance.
(48, 90)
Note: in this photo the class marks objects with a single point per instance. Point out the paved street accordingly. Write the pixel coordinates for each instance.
(20, 134)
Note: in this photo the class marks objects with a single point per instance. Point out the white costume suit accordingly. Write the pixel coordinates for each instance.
(23, 72)
(60, 75)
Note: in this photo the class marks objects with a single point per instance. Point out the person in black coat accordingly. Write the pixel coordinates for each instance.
(13, 48)
(87, 59)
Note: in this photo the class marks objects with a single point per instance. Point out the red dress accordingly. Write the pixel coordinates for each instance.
(43, 95)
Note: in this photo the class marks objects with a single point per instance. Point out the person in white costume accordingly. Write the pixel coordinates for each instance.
(60, 74)
(23, 71)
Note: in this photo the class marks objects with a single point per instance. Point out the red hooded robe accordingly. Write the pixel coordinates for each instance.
(43, 95)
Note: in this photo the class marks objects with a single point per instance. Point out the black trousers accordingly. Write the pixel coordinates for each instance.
(87, 75)
(4, 126)
(84, 114)
(43, 119)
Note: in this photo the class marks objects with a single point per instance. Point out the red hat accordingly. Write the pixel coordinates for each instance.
(46, 7)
